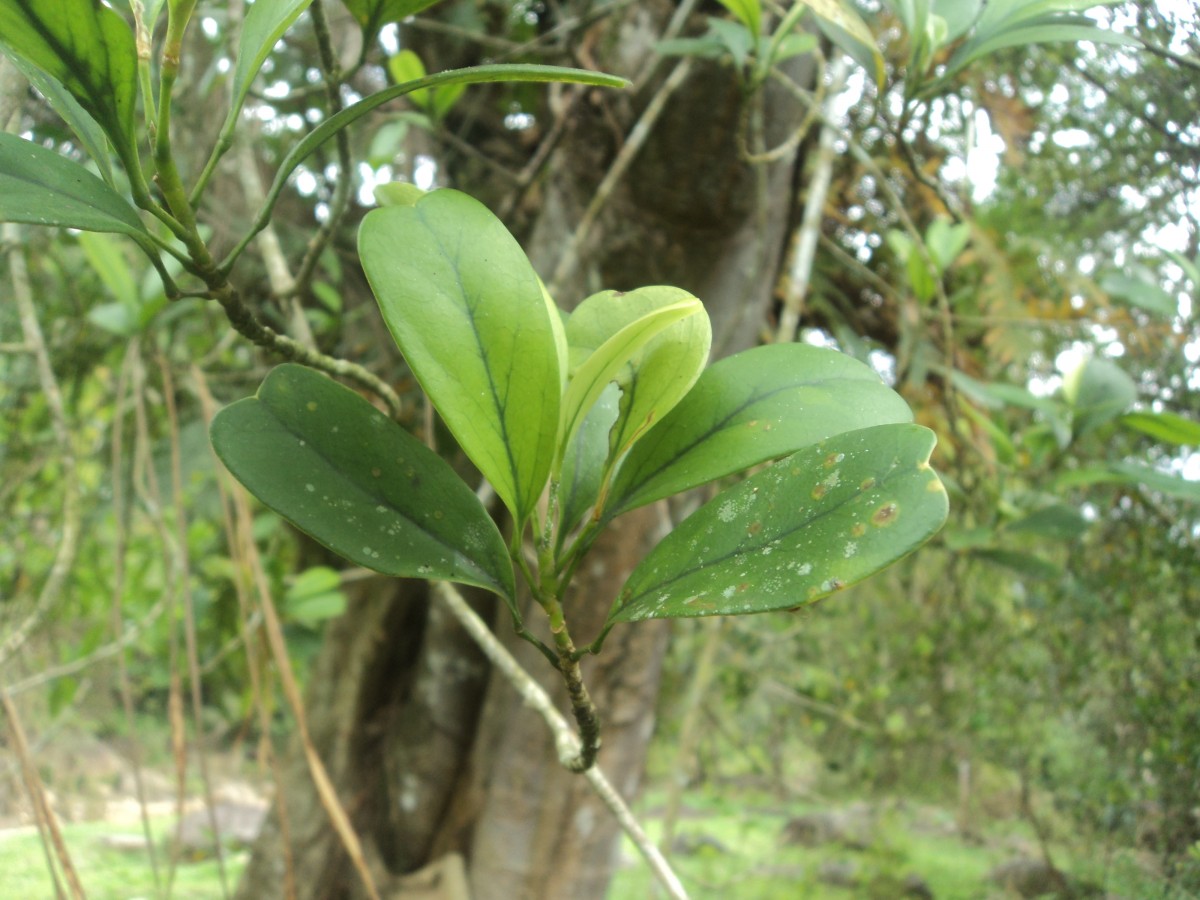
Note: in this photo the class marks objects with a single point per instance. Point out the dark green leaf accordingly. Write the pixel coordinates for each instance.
(40, 187)
(467, 310)
(90, 134)
(90, 50)
(808, 526)
(754, 406)
(329, 462)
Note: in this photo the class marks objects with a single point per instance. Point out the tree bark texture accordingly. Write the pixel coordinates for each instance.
(431, 755)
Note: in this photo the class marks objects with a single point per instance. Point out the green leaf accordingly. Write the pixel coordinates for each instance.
(1098, 391)
(756, 405)
(1140, 291)
(265, 23)
(652, 341)
(1165, 426)
(808, 526)
(406, 66)
(1057, 521)
(90, 50)
(468, 312)
(329, 462)
(91, 135)
(40, 187)
(584, 461)
(473, 75)
(372, 15)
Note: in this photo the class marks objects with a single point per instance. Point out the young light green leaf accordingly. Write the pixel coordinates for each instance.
(810, 525)
(40, 187)
(652, 341)
(325, 459)
(1165, 426)
(754, 406)
(468, 312)
(89, 49)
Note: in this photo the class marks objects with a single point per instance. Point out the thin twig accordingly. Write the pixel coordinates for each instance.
(47, 821)
(565, 739)
(809, 229)
(341, 189)
(189, 613)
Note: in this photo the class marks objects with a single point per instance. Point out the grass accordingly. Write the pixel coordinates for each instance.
(734, 848)
(107, 873)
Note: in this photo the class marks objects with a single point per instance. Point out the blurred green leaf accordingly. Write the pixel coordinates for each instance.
(314, 596)
(1098, 391)
(748, 12)
(1164, 426)
(1139, 291)
(846, 29)
(1025, 564)
(1057, 521)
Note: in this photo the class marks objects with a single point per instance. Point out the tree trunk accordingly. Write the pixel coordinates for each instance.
(430, 753)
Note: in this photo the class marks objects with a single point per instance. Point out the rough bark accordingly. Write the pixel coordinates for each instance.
(430, 755)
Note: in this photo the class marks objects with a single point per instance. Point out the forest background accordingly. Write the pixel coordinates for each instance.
(1010, 236)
